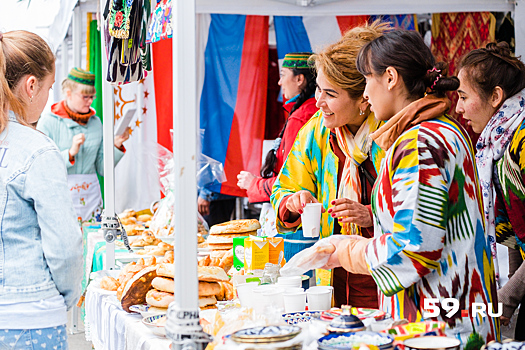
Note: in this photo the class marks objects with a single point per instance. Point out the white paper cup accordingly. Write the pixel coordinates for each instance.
(274, 299)
(289, 281)
(293, 289)
(294, 302)
(321, 288)
(319, 300)
(246, 295)
(311, 219)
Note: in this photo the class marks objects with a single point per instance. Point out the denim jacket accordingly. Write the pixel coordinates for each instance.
(40, 240)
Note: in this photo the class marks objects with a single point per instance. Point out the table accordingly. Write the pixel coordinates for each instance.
(109, 327)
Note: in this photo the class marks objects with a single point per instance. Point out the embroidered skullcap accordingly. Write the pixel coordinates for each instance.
(297, 60)
(81, 76)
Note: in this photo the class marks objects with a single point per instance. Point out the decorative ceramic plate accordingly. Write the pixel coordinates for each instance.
(266, 334)
(156, 324)
(416, 329)
(362, 313)
(300, 317)
(336, 341)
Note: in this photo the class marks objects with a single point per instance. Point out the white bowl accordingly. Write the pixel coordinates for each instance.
(156, 324)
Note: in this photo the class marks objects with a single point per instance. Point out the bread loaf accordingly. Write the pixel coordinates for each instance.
(136, 288)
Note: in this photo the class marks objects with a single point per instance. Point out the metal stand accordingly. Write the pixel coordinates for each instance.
(113, 230)
(184, 330)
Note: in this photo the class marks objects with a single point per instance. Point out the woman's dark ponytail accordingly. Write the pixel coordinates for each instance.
(309, 89)
(268, 169)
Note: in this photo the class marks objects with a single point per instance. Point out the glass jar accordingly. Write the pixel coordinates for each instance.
(270, 273)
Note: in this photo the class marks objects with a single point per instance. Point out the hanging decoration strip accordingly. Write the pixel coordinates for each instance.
(160, 25)
(125, 29)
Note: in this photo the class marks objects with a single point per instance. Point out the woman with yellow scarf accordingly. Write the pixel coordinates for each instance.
(329, 163)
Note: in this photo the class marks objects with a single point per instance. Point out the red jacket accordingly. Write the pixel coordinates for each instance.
(261, 189)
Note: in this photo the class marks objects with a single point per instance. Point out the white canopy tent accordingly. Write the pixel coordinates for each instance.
(185, 308)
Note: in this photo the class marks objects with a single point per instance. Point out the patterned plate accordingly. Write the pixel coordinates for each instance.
(300, 317)
(362, 313)
(266, 334)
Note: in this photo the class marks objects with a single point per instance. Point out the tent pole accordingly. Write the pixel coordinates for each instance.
(77, 37)
(519, 28)
(107, 138)
(183, 314)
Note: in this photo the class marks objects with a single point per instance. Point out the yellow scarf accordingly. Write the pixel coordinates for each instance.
(355, 148)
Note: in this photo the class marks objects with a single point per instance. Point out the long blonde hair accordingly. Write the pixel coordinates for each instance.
(22, 53)
(338, 61)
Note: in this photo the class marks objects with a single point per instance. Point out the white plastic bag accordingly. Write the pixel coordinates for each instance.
(312, 258)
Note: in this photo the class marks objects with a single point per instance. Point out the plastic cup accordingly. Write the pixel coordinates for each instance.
(294, 302)
(246, 295)
(319, 300)
(311, 219)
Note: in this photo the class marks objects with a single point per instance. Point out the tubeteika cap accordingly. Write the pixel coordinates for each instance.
(81, 76)
(297, 60)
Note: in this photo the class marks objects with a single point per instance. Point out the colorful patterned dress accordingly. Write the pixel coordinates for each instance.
(510, 202)
(429, 229)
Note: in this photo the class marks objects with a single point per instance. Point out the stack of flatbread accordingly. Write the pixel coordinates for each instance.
(222, 235)
(213, 284)
(220, 241)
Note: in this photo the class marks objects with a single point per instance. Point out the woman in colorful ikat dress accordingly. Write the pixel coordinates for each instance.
(329, 161)
(297, 83)
(429, 239)
(492, 99)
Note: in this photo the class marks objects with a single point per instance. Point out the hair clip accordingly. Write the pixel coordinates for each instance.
(435, 82)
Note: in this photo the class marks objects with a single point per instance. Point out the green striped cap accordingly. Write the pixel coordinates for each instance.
(81, 76)
(297, 60)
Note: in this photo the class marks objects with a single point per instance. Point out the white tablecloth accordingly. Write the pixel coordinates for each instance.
(112, 328)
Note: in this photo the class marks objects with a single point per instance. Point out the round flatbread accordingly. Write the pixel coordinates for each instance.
(227, 238)
(212, 274)
(209, 288)
(166, 270)
(163, 284)
(235, 226)
(206, 301)
(222, 246)
(159, 299)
